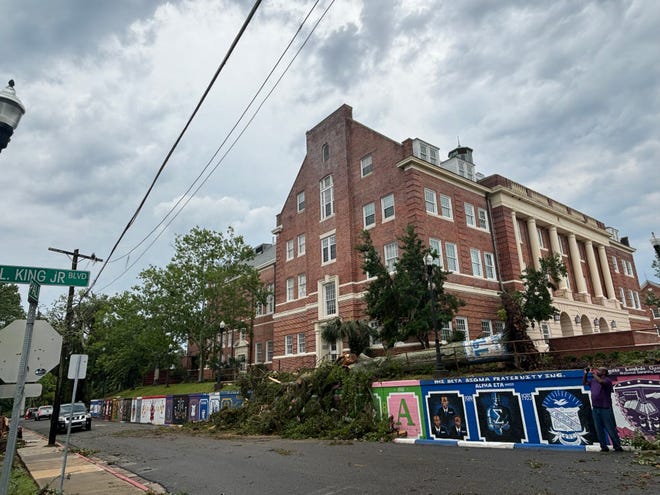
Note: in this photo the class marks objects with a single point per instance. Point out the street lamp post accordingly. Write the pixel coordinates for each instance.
(439, 367)
(218, 383)
(11, 111)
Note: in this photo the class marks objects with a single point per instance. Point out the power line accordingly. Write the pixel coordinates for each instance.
(224, 141)
(176, 143)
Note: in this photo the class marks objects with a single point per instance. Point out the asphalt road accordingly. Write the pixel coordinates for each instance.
(197, 465)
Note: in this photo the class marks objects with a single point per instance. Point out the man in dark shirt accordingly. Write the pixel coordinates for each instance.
(601, 408)
(446, 413)
(457, 430)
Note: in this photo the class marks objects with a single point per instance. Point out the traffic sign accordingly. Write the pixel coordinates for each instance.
(8, 390)
(44, 276)
(44, 350)
(33, 292)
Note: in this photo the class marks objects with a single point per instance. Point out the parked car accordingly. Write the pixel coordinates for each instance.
(80, 417)
(44, 412)
(31, 412)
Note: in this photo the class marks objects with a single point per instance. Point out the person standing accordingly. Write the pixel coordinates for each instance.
(601, 408)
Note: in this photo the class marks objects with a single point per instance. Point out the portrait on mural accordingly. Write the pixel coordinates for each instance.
(564, 416)
(446, 411)
(499, 417)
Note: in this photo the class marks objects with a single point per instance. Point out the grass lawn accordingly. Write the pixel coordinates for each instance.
(175, 389)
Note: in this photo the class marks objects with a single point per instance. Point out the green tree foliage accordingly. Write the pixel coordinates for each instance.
(400, 301)
(10, 304)
(356, 332)
(531, 305)
(208, 280)
(126, 344)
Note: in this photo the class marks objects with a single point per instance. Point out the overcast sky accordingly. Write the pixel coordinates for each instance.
(562, 96)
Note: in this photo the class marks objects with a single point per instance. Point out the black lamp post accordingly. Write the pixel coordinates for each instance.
(218, 384)
(11, 111)
(439, 367)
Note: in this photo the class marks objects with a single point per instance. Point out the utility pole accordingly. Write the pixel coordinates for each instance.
(68, 320)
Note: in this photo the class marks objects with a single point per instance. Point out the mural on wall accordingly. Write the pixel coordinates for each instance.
(637, 398)
(152, 410)
(447, 415)
(500, 416)
(564, 416)
(180, 409)
(403, 406)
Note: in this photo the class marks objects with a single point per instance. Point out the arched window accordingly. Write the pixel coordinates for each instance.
(325, 152)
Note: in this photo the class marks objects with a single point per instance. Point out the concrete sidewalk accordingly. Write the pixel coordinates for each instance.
(82, 476)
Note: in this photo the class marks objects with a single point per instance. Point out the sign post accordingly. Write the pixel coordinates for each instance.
(20, 387)
(36, 277)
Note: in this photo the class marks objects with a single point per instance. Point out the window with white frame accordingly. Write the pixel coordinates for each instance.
(630, 268)
(499, 326)
(489, 265)
(624, 267)
(436, 249)
(270, 299)
(446, 209)
(545, 332)
(636, 299)
(301, 343)
(631, 299)
(289, 289)
(387, 206)
(622, 296)
(369, 215)
(615, 265)
(329, 248)
(288, 344)
(452, 257)
(486, 328)
(475, 258)
(445, 331)
(656, 312)
(330, 298)
(301, 245)
(269, 351)
(539, 234)
(258, 348)
(366, 166)
(327, 197)
(259, 311)
(462, 326)
(430, 201)
(289, 249)
(560, 241)
(391, 255)
(302, 285)
(300, 201)
(482, 220)
(469, 214)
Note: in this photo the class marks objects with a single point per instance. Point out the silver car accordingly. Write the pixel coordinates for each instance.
(79, 418)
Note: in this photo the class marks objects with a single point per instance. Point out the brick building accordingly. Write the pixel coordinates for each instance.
(486, 230)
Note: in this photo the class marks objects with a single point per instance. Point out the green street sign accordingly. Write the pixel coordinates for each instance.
(43, 276)
(33, 292)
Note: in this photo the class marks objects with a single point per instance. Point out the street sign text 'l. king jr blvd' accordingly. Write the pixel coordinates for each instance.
(43, 276)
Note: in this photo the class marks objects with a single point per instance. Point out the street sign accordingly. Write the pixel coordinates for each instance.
(8, 390)
(33, 292)
(44, 350)
(44, 276)
(78, 366)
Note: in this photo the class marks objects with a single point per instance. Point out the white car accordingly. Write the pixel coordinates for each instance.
(44, 412)
(81, 418)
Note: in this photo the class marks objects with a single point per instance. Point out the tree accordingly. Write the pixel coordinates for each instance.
(357, 332)
(10, 304)
(126, 344)
(400, 301)
(207, 281)
(531, 305)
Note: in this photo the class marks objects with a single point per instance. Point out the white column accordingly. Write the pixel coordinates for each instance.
(554, 244)
(593, 269)
(607, 275)
(516, 232)
(534, 242)
(577, 266)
